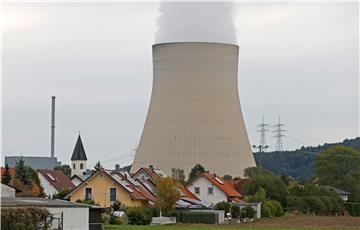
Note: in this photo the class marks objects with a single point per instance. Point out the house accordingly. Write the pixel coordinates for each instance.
(107, 186)
(67, 215)
(148, 173)
(54, 181)
(341, 193)
(35, 189)
(211, 188)
(78, 179)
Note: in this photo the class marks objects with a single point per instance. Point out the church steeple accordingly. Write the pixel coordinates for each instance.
(79, 151)
(78, 159)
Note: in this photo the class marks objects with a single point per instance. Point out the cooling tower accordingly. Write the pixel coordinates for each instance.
(194, 115)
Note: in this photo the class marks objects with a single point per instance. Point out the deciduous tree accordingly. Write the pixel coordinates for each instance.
(168, 193)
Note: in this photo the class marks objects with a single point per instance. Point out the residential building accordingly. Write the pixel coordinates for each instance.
(54, 181)
(106, 186)
(344, 195)
(76, 180)
(148, 173)
(211, 188)
(78, 159)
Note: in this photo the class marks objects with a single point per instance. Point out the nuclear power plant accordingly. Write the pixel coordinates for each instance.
(194, 115)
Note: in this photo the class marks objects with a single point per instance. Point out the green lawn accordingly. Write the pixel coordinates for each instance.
(213, 227)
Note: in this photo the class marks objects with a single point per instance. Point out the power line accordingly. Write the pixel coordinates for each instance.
(279, 135)
(262, 145)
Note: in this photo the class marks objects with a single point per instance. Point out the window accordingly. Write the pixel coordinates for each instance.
(88, 193)
(73, 166)
(112, 194)
(197, 190)
(210, 190)
(81, 166)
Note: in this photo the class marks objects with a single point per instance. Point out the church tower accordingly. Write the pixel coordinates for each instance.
(78, 159)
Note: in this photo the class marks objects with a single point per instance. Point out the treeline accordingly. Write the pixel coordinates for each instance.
(300, 162)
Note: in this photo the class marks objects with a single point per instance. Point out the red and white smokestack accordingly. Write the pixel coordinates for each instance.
(53, 126)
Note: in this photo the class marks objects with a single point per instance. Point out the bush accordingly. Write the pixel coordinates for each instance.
(25, 219)
(114, 219)
(315, 205)
(235, 211)
(271, 208)
(353, 208)
(223, 205)
(105, 217)
(247, 212)
(199, 217)
(138, 216)
(265, 210)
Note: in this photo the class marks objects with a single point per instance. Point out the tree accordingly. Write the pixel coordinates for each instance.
(6, 177)
(98, 166)
(252, 172)
(227, 177)
(22, 172)
(65, 169)
(61, 194)
(168, 193)
(178, 174)
(340, 167)
(195, 172)
(223, 205)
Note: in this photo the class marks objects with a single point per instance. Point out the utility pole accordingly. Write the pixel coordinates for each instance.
(262, 146)
(279, 135)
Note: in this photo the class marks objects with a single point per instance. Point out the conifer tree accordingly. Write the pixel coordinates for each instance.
(6, 177)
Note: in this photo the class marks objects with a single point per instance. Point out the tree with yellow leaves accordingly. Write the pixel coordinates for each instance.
(168, 193)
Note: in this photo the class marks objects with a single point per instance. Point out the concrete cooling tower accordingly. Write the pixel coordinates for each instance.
(194, 115)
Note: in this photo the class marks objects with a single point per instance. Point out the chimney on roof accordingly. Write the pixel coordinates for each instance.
(117, 167)
(53, 126)
(151, 167)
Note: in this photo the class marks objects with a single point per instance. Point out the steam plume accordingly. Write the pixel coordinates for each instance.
(196, 22)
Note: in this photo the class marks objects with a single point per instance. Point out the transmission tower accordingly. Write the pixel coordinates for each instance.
(262, 145)
(279, 135)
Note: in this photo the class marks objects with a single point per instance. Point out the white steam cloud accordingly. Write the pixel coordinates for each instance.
(196, 22)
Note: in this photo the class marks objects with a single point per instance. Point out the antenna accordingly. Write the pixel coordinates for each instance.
(278, 135)
(262, 146)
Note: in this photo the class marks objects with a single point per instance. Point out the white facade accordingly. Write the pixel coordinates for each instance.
(78, 167)
(49, 189)
(203, 186)
(74, 218)
(7, 191)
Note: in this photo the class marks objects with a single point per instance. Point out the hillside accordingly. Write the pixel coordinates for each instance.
(298, 163)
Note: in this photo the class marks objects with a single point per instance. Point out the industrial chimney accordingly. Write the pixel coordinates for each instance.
(194, 115)
(53, 126)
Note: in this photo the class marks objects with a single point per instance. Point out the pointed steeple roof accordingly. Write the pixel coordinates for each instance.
(79, 151)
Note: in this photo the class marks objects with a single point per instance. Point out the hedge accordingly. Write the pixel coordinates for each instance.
(25, 219)
(138, 216)
(353, 208)
(198, 217)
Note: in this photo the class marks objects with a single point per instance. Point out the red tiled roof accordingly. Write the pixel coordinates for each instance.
(227, 188)
(57, 179)
(35, 188)
(187, 194)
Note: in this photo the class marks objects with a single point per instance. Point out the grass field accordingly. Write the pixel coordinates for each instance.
(281, 223)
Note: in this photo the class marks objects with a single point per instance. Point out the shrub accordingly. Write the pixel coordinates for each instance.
(265, 210)
(235, 211)
(61, 195)
(276, 208)
(114, 219)
(247, 212)
(315, 204)
(26, 218)
(116, 205)
(353, 208)
(138, 216)
(105, 217)
(223, 205)
(199, 217)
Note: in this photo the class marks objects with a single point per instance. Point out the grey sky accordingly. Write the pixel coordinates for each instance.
(297, 60)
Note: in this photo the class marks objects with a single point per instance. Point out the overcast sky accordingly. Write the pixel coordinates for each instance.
(297, 60)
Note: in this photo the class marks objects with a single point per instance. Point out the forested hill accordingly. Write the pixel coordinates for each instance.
(298, 163)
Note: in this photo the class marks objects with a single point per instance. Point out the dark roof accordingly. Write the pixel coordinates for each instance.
(38, 202)
(336, 190)
(79, 151)
(57, 179)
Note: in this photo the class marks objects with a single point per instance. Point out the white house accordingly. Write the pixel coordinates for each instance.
(78, 179)
(211, 188)
(54, 181)
(344, 195)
